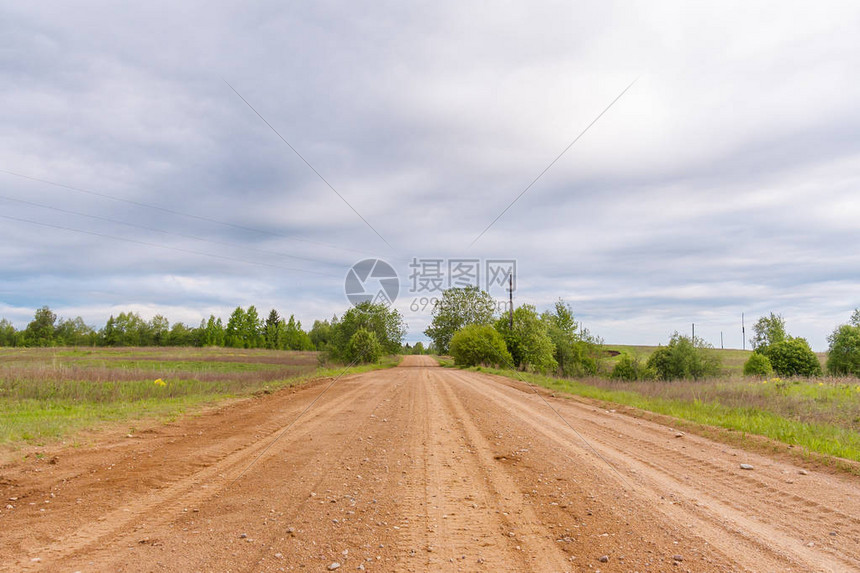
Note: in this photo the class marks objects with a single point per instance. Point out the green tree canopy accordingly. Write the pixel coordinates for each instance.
(843, 357)
(320, 334)
(74, 332)
(8, 334)
(273, 330)
(457, 308)
(528, 342)
(294, 337)
(385, 322)
(767, 331)
(576, 351)
(40, 331)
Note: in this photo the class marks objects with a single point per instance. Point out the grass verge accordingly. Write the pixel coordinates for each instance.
(39, 404)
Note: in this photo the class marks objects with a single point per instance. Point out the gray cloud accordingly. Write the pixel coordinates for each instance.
(723, 182)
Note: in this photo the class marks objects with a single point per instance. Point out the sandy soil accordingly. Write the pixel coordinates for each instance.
(420, 468)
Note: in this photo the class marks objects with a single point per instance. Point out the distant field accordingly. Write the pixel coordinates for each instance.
(48, 393)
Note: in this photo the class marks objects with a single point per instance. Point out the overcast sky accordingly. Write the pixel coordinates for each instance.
(724, 181)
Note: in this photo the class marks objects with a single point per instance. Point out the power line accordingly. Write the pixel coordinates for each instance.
(168, 247)
(176, 212)
(312, 168)
(136, 226)
(553, 162)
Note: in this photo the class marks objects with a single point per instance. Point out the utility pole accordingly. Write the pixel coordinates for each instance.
(694, 333)
(511, 294)
(721, 341)
(743, 331)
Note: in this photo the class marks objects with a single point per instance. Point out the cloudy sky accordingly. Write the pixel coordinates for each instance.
(724, 181)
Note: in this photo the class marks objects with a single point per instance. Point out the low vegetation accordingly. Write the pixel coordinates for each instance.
(48, 393)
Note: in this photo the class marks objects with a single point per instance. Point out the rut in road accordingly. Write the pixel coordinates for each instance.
(420, 468)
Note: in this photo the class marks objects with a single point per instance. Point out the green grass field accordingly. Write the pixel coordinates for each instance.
(46, 394)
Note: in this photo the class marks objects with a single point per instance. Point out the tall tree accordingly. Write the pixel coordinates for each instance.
(8, 334)
(576, 351)
(457, 308)
(158, 332)
(843, 357)
(767, 331)
(528, 341)
(234, 333)
(213, 332)
(273, 331)
(253, 331)
(320, 334)
(296, 338)
(40, 331)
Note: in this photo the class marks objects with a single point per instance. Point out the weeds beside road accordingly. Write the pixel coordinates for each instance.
(48, 393)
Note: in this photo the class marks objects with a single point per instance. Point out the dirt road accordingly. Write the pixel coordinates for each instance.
(420, 468)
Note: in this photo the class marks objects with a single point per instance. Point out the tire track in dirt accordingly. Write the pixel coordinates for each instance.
(219, 472)
(753, 512)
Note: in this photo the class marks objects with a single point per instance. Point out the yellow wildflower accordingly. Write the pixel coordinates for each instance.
(160, 382)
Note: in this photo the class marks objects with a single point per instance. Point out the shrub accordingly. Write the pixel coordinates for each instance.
(758, 365)
(684, 358)
(363, 346)
(794, 357)
(627, 368)
(479, 344)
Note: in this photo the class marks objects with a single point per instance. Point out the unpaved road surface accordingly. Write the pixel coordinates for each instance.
(420, 468)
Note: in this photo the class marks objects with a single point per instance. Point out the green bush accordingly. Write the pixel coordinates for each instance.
(758, 365)
(363, 346)
(479, 344)
(794, 357)
(627, 368)
(684, 358)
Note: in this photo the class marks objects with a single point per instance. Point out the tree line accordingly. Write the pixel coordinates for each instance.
(465, 325)
(245, 328)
